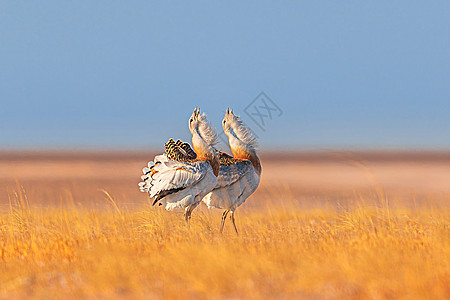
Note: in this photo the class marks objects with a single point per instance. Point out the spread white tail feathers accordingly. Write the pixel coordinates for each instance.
(164, 176)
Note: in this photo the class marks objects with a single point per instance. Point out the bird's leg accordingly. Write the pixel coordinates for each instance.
(188, 212)
(187, 216)
(234, 224)
(224, 216)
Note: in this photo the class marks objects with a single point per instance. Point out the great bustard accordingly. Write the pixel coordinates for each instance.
(179, 179)
(239, 174)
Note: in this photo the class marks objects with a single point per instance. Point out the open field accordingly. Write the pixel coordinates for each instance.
(329, 225)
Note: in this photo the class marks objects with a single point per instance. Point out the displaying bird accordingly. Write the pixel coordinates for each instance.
(181, 177)
(239, 175)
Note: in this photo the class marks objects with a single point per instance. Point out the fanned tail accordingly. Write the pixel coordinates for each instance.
(148, 171)
(168, 173)
(153, 176)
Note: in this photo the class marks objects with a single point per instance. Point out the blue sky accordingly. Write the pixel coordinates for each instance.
(120, 74)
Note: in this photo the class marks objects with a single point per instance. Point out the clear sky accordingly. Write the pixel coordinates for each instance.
(127, 74)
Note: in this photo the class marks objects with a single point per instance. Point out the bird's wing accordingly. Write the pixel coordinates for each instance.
(165, 176)
(231, 169)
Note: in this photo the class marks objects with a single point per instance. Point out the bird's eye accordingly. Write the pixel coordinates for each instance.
(224, 121)
(191, 120)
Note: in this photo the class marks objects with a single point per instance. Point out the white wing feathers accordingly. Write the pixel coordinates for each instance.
(164, 176)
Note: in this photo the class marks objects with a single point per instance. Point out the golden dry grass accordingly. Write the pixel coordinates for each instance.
(364, 246)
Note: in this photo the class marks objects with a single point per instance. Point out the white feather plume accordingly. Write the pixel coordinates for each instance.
(206, 130)
(244, 133)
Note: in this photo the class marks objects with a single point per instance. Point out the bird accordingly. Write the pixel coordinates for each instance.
(239, 175)
(182, 176)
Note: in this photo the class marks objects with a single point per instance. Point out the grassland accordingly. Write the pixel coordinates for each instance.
(92, 235)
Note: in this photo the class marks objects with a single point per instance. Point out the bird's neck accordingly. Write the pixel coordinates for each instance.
(242, 152)
(206, 152)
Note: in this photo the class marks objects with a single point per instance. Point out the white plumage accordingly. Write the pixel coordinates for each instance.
(177, 184)
(239, 177)
(180, 182)
(234, 185)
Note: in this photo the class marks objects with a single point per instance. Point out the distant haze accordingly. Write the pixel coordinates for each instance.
(110, 74)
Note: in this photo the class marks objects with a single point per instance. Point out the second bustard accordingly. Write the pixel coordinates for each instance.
(239, 174)
(181, 181)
